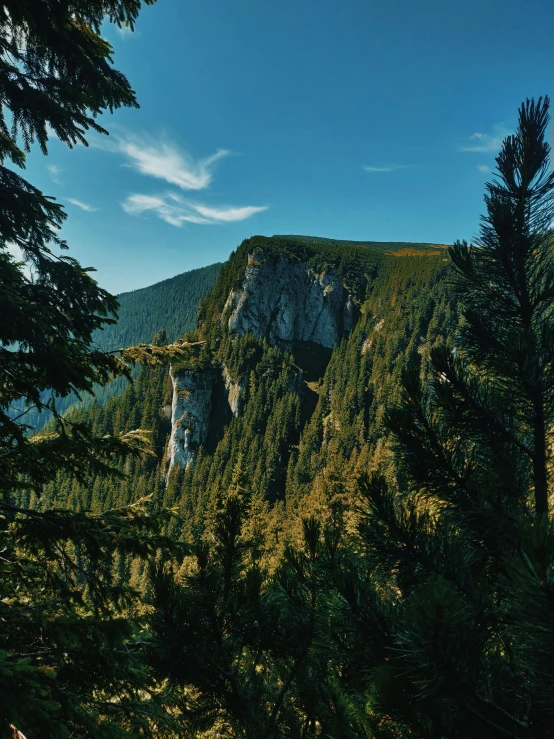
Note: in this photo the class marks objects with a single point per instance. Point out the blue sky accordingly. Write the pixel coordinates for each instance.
(354, 119)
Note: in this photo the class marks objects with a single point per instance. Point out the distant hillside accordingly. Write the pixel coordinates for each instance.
(171, 304)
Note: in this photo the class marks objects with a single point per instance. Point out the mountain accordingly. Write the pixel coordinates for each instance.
(171, 304)
(304, 344)
(264, 437)
(308, 340)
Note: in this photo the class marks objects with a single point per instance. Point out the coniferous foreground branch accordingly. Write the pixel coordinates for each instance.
(462, 558)
(70, 657)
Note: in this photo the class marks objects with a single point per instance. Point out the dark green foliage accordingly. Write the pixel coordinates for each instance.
(68, 660)
(145, 404)
(245, 651)
(462, 560)
(70, 663)
(171, 304)
(48, 52)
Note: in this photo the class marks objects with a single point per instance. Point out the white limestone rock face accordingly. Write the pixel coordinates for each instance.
(190, 414)
(234, 390)
(286, 301)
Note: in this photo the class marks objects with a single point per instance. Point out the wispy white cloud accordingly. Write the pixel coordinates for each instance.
(485, 142)
(81, 205)
(483, 168)
(175, 210)
(389, 168)
(227, 215)
(164, 161)
(55, 172)
(168, 211)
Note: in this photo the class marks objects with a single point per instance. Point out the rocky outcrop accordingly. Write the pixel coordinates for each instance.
(285, 301)
(281, 299)
(190, 414)
(234, 391)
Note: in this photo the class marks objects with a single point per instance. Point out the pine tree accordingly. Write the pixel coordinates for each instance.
(453, 615)
(206, 623)
(243, 651)
(69, 664)
(56, 77)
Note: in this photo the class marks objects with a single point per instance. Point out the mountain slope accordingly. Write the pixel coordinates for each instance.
(171, 304)
(298, 417)
(307, 409)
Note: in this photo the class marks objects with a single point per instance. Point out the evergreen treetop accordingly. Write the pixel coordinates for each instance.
(460, 562)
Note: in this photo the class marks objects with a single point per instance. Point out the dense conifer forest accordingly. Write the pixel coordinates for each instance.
(170, 305)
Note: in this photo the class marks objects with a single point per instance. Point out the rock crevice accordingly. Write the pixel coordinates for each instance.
(234, 390)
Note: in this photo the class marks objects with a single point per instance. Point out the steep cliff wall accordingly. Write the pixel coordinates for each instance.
(190, 414)
(284, 300)
(281, 299)
(283, 296)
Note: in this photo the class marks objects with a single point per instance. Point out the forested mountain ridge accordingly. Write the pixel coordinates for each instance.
(170, 305)
(306, 407)
(262, 393)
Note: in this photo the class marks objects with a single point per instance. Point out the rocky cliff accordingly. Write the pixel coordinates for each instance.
(284, 300)
(234, 391)
(281, 299)
(273, 328)
(190, 414)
